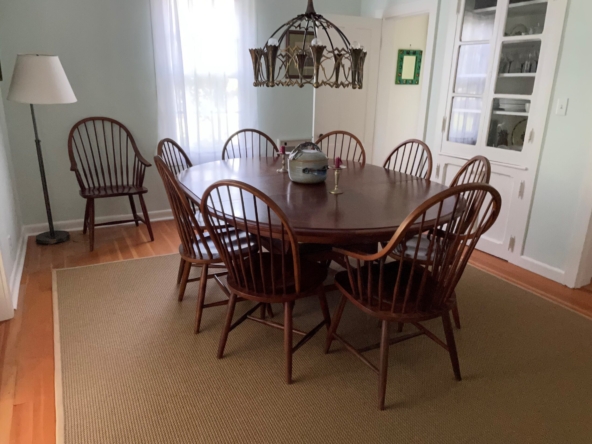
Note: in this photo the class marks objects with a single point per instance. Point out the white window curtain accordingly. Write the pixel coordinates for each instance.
(204, 75)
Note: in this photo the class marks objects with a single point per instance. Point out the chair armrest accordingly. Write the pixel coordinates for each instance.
(357, 255)
(142, 160)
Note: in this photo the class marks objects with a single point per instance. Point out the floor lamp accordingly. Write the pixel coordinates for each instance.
(40, 80)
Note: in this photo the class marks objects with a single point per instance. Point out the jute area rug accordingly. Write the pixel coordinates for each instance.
(130, 370)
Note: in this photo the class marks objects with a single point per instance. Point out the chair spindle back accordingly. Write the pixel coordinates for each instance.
(103, 153)
(344, 145)
(249, 143)
(265, 274)
(192, 236)
(411, 157)
(173, 155)
(476, 170)
(423, 285)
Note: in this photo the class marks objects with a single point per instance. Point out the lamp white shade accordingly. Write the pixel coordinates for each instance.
(40, 80)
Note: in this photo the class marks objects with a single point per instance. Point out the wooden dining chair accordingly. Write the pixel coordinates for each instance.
(107, 163)
(475, 170)
(342, 144)
(197, 248)
(178, 161)
(265, 277)
(249, 143)
(412, 290)
(411, 157)
(173, 155)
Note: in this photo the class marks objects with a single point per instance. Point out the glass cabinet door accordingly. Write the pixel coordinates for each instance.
(472, 67)
(524, 23)
(497, 55)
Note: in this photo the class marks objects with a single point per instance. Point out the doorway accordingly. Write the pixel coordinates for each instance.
(400, 112)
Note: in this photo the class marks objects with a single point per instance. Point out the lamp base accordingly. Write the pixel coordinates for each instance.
(47, 239)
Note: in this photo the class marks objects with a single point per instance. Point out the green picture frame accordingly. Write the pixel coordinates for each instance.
(408, 67)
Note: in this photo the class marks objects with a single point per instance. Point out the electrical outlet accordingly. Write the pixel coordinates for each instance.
(10, 243)
(562, 104)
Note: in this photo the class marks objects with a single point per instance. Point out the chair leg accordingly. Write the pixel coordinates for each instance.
(400, 326)
(455, 315)
(181, 269)
(325, 309)
(270, 311)
(227, 324)
(133, 205)
(384, 349)
(335, 323)
(451, 345)
(85, 225)
(263, 311)
(201, 297)
(146, 216)
(288, 306)
(91, 223)
(184, 278)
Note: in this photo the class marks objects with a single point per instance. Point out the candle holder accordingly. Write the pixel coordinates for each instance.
(283, 169)
(337, 170)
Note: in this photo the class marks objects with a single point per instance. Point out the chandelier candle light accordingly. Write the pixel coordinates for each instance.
(332, 66)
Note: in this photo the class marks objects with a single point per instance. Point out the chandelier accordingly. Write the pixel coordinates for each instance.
(314, 63)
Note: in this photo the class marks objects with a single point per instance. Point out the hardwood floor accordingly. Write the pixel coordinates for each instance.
(27, 413)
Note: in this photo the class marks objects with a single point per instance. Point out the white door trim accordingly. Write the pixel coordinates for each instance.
(6, 309)
(429, 7)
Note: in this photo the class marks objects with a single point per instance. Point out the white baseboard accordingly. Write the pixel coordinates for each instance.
(74, 225)
(17, 272)
(555, 274)
(68, 225)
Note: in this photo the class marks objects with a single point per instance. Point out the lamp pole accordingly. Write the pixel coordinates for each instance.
(52, 237)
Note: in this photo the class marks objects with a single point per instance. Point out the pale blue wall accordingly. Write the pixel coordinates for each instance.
(567, 147)
(106, 49)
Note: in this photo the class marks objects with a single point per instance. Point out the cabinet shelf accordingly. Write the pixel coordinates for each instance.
(501, 112)
(526, 7)
(517, 75)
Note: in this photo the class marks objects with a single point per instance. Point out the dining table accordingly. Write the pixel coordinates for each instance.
(374, 203)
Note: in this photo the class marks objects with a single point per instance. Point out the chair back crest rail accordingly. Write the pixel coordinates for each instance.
(411, 157)
(192, 236)
(103, 153)
(270, 272)
(173, 155)
(249, 143)
(424, 283)
(342, 144)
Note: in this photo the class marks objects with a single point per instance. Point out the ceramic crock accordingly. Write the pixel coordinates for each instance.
(308, 164)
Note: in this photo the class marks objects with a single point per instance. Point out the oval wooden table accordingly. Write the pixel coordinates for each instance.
(375, 201)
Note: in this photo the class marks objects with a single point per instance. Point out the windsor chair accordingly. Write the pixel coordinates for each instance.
(107, 163)
(265, 277)
(475, 170)
(249, 143)
(344, 145)
(197, 248)
(177, 160)
(411, 289)
(411, 157)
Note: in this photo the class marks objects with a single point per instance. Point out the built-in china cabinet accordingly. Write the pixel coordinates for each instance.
(502, 59)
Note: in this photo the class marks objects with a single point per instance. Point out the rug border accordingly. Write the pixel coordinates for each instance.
(57, 352)
(58, 382)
